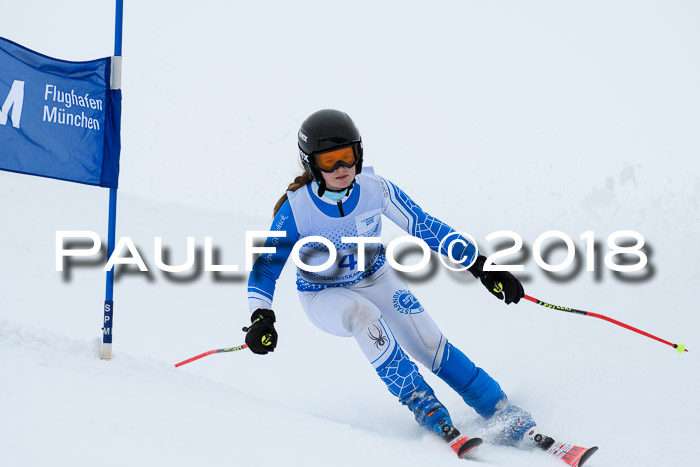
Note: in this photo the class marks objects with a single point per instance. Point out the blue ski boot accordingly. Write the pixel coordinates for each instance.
(429, 412)
(509, 423)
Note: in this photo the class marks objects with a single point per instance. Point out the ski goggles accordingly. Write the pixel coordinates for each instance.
(329, 161)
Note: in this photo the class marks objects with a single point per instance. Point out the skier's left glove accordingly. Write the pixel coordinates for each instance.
(502, 284)
(261, 336)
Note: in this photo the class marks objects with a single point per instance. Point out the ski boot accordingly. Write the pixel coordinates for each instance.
(509, 423)
(432, 415)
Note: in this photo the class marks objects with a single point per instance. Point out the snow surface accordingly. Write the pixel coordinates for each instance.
(524, 116)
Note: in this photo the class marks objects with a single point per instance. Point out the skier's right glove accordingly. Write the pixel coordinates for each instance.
(261, 336)
(501, 284)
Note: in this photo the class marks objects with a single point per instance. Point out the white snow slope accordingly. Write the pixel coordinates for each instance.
(522, 116)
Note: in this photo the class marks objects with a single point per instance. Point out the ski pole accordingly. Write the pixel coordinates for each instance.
(197, 357)
(680, 348)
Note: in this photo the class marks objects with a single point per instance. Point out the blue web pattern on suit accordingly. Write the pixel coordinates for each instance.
(399, 373)
(426, 227)
(404, 381)
(393, 366)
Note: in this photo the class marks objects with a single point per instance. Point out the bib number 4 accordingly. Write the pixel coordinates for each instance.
(348, 261)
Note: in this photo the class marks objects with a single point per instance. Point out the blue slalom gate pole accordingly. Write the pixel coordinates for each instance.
(112, 224)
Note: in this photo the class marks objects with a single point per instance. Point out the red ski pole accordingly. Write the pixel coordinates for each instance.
(680, 348)
(197, 357)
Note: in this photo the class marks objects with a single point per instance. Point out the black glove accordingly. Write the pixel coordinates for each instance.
(499, 283)
(261, 336)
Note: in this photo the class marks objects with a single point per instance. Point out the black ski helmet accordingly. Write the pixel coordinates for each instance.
(325, 130)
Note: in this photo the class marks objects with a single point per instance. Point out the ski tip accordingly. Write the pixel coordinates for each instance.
(467, 446)
(586, 455)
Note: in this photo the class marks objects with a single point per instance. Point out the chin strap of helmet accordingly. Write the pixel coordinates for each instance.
(321, 188)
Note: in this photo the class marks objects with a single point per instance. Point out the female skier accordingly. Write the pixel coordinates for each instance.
(359, 295)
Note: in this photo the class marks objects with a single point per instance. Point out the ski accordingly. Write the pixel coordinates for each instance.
(462, 445)
(459, 443)
(573, 455)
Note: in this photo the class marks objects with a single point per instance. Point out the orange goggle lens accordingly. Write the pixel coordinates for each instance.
(329, 161)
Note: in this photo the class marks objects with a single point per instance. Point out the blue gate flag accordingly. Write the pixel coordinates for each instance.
(58, 119)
